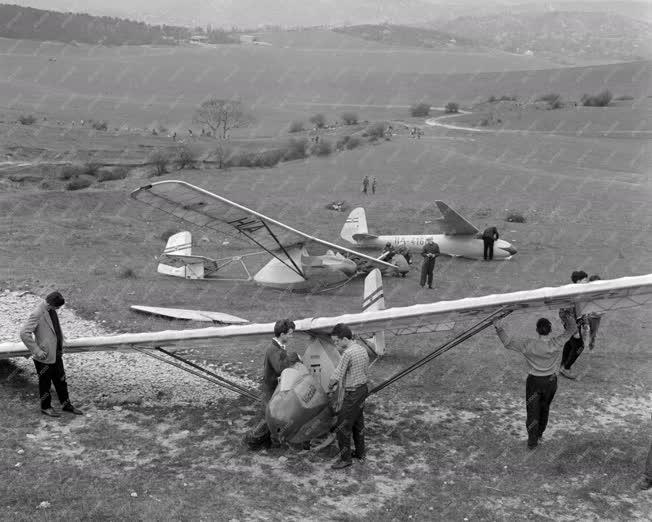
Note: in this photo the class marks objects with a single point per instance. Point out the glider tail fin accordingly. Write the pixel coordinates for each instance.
(374, 299)
(179, 243)
(356, 223)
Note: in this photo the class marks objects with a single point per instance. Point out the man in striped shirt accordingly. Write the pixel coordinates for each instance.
(352, 373)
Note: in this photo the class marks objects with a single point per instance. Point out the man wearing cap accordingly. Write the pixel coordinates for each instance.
(429, 253)
(42, 335)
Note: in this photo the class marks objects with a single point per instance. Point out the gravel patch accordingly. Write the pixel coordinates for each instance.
(111, 378)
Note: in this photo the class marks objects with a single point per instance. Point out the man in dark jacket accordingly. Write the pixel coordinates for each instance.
(429, 253)
(43, 336)
(277, 359)
(488, 237)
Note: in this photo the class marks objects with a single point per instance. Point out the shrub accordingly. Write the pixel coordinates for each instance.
(111, 174)
(624, 97)
(318, 120)
(185, 157)
(550, 98)
(353, 143)
(296, 126)
(492, 99)
(71, 171)
(295, 149)
(349, 118)
(27, 119)
(375, 131)
(452, 107)
(222, 154)
(601, 99)
(91, 168)
(124, 272)
(515, 217)
(80, 182)
(159, 159)
(322, 148)
(259, 159)
(100, 125)
(420, 110)
(484, 123)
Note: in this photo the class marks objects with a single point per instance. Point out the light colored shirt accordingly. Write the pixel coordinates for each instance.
(542, 354)
(353, 369)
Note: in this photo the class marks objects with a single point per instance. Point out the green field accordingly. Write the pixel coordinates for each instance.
(448, 442)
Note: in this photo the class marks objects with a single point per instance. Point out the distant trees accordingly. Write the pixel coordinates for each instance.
(221, 116)
(420, 110)
(296, 126)
(318, 120)
(27, 119)
(601, 99)
(554, 100)
(349, 118)
(39, 24)
(452, 108)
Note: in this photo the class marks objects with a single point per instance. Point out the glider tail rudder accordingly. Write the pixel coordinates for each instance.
(374, 299)
(356, 223)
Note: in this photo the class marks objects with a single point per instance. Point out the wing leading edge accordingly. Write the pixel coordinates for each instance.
(602, 296)
(207, 210)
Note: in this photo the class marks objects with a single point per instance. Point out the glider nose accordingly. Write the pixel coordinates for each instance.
(510, 250)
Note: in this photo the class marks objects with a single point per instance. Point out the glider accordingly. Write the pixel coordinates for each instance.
(460, 238)
(291, 267)
(320, 358)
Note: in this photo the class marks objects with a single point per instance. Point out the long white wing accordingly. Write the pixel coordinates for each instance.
(205, 209)
(600, 296)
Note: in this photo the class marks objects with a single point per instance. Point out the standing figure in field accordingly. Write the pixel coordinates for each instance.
(352, 373)
(429, 253)
(489, 235)
(43, 336)
(277, 359)
(542, 357)
(374, 184)
(365, 184)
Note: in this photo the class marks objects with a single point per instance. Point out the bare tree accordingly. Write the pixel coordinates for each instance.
(221, 116)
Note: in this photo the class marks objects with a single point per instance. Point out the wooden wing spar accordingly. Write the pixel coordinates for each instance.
(207, 210)
(597, 296)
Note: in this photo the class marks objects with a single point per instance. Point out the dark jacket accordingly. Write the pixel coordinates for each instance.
(430, 248)
(276, 360)
(490, 233)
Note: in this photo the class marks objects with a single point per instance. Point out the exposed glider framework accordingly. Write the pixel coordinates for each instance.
(207, 210)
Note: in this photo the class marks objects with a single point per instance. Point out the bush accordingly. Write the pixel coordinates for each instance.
(185, 157)
(318, 120)
(353, 143)
(71, 171)
(349, 118)
(159, 159)
(222, 154)
(80, 182)
(452, 108)
(601, 99)
(624, 97)
(296, 126)
(100, 125)
(28, 119)
(260, 159)
(484, 123)
(91, 168)
(112, 174)
(550, 98)
(124, 272)
(295, 149)
(322, 148)
(375, 131)
(515, 217)
(420, 110)
(492, 99)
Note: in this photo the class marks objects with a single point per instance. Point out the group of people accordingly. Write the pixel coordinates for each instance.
(366, 183)
(348, 383)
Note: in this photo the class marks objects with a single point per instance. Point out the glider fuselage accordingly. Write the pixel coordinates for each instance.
(458, 246)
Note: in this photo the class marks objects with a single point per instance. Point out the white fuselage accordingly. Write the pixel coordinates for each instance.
(457, 246)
